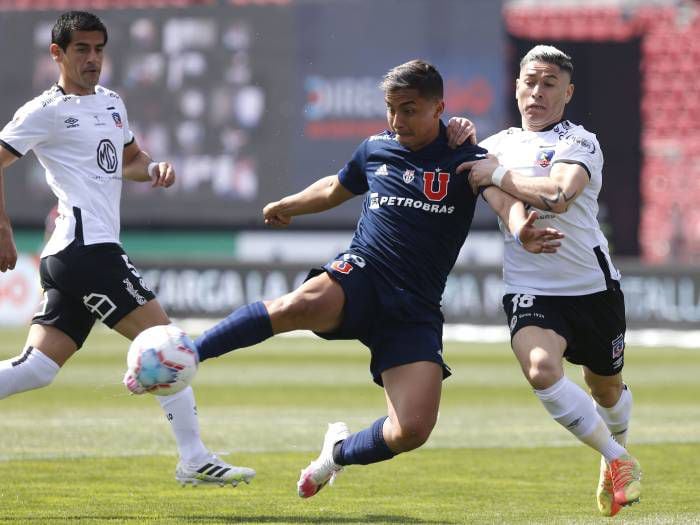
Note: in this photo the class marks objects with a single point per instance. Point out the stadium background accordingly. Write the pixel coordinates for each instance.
(255, 99)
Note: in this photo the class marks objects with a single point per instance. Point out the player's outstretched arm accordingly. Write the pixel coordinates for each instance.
(8, 250)
(322, 195)
(521, 224)
(554, 193)
(140, 167)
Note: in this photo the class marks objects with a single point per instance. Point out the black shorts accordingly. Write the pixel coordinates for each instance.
(593, 325)
(84, 283)
(396, 331)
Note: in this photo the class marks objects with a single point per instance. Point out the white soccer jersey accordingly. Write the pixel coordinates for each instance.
(582, 265)
(79, 140)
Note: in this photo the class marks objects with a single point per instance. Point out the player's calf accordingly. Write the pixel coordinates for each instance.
(28, 371)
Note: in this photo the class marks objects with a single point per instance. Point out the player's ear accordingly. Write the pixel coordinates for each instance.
(56, 52)
(439, 108)
(569, 92)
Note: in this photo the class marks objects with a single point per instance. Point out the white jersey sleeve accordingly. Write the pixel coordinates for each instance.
(31, 125)
(128, 134)
(582, 148)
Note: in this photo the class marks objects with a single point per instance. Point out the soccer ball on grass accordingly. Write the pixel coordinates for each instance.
(162, 360)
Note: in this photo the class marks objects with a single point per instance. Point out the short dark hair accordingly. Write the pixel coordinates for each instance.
(416, 74)
(549, 55)
(70, 21)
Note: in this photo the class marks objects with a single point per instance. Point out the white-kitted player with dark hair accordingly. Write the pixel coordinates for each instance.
(569, 304)
(80, 133)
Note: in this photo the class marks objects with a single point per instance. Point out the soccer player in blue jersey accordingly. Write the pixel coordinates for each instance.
(385, 289)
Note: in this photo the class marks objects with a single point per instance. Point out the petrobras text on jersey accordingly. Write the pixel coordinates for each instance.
(375, 201)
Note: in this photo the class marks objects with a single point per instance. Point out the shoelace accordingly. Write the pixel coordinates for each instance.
(623, 473)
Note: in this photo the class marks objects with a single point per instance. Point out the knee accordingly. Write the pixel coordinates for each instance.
(543, 371)
(410, 435)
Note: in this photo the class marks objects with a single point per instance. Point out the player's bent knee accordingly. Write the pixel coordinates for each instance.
(543, 372)
(28, 371)
(411, 436)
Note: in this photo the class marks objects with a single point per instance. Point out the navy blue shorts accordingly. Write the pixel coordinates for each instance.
(396, 329)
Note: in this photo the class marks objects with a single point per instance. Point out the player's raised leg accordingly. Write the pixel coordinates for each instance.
(197, 464)
(413, 398)
(316, 305)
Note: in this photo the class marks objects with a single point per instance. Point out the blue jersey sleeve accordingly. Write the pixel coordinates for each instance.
(353, 175)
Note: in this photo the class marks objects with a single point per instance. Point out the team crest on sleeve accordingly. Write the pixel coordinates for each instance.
(343, 267)
(117, 119)
(435, 194)
(544, 157)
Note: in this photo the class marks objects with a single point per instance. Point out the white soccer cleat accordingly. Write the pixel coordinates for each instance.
(132, 385)
(212, 470)
(323, 470)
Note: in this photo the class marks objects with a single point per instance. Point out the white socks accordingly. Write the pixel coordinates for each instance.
(180, 409)
(32, 369)
(571, 407)
(617, 417)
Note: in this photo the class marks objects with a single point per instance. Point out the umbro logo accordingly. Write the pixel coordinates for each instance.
(71, 122)
(382, 170)
(576, 422)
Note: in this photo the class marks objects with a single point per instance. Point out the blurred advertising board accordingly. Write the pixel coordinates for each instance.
(20, 292)
(254, 102)
(656, 297)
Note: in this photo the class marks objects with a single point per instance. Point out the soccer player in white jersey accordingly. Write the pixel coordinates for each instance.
(80, 133)
(568, 305)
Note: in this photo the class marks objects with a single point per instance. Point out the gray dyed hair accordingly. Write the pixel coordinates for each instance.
(549, 55)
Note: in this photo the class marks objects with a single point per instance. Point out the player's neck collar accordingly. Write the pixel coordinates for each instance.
(547, 128)
(63, 91)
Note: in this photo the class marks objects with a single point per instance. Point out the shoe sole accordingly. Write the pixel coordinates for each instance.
(195, 481)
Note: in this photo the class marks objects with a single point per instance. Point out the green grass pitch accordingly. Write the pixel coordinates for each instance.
(84, 451)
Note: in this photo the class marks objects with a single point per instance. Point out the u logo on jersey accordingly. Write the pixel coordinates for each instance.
(428, 185)
(341, 267)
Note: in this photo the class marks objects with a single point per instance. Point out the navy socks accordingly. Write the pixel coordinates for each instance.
(246, 326)
(364, 447)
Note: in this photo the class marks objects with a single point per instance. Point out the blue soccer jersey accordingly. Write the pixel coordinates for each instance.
(417, 211)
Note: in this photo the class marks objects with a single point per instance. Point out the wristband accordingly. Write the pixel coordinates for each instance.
(497, 176)
(516, 236)
(152, 167)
